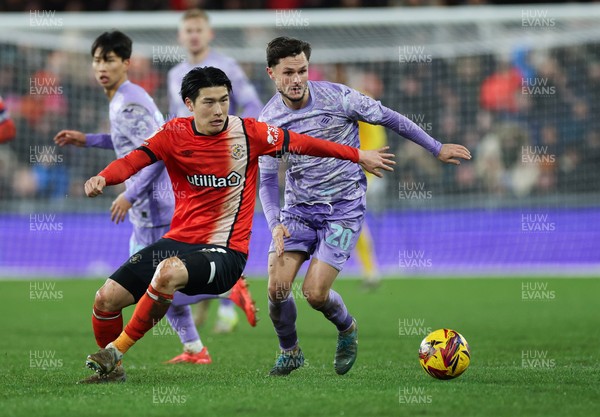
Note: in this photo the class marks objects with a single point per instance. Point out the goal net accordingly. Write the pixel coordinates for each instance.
(519, 86)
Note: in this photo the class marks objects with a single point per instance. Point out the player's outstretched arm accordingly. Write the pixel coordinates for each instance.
(275, 141)
(70, 137)
(268, 193)
(375, 160)
(451, 152)
(77, 138)
(118, 171)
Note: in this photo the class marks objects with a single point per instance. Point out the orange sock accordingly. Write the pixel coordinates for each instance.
(123, 342)
(107, 325)
(149, 310)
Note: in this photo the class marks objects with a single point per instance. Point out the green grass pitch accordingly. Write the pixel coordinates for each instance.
(534, 345)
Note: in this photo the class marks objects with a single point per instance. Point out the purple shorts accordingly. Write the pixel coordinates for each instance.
(327, 232)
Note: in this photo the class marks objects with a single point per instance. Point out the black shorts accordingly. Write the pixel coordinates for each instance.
(212, 269)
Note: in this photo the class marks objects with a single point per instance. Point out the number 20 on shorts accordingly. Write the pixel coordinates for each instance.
(340, 237)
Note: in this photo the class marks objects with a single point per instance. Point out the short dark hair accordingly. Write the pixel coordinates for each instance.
(202, 77)
(282, 47)
(115, 41)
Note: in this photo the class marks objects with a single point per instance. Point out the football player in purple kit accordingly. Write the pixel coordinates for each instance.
(324, 198)
(134, 117)
(195, 34)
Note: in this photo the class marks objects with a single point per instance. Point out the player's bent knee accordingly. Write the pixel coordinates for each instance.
(112, 297)
(102, 302)
(170, 275)
(279, 291)
(316, 299)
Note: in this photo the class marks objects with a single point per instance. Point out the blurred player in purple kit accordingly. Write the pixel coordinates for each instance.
(134, 117)
(195, 34)
(324, 198)
(148, 197)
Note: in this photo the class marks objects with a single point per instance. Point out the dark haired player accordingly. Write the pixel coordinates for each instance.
(148, 196)
(195, 34)
(213, 157)
(133, 118)
(324, 198)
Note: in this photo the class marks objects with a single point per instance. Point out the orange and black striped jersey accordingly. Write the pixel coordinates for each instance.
(214, 177)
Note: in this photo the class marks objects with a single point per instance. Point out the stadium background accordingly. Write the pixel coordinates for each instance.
(518, 85)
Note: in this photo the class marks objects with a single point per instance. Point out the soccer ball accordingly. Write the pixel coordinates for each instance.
(444, 354)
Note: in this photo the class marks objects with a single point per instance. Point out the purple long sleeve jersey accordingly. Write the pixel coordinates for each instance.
(134, 117)
(332, 113)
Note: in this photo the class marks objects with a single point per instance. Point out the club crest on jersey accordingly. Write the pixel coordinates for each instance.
(237, 151)
(272, 134)
(135, 258)
(205, 180)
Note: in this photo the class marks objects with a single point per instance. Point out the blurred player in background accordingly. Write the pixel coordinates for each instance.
(212, 158)
(133, 118)
(7, 126)
(371, 137)
(324, 198)
(195, 34)
(7, 133)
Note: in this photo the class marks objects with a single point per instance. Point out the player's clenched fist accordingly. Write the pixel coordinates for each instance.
(94, 186)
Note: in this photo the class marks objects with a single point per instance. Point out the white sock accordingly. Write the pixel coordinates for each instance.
(118, 354)
(193, 347)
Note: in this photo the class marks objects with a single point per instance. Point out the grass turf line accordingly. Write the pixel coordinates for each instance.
(45, 343)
